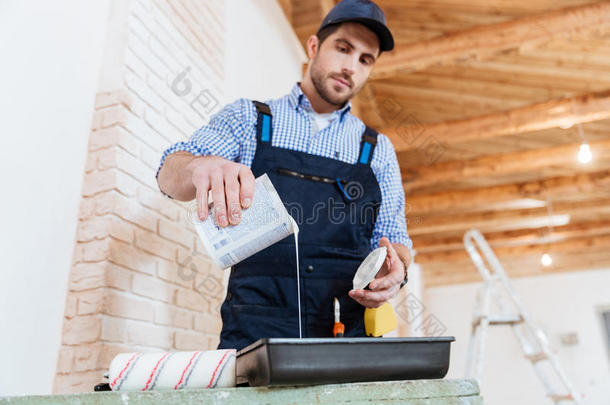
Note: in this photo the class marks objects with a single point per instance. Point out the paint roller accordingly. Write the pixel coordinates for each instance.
(172, 370)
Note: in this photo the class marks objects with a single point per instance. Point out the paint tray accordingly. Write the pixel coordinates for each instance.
(309, 361)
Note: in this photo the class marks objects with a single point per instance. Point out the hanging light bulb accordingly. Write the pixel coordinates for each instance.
(584, 153)
(546, 260)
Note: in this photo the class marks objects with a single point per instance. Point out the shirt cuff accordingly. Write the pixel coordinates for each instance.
(402, 238)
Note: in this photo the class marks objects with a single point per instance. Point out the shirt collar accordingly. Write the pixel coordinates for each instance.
(299, 99)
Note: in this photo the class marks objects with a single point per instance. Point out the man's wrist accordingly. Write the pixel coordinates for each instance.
(404, 255)
(405, 263)
(404, 281)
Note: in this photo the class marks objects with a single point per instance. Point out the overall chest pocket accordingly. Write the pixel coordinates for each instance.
(337, 182)
(331, 212)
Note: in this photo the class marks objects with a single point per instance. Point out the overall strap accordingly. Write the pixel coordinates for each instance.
(263, 122)
(367, 146)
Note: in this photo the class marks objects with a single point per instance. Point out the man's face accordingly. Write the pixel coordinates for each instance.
(343, 62)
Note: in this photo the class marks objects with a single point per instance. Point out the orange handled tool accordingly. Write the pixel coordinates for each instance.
(339, 328)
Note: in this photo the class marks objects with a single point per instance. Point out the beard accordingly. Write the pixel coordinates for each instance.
(326, 86)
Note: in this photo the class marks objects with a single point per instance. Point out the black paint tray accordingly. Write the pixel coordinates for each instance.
(288, 361)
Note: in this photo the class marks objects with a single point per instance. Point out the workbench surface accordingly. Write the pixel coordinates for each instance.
(421, 392)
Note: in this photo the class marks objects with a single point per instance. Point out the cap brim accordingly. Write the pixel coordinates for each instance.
(386, 40)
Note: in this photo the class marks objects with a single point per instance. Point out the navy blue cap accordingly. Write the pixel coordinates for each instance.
(364, 12)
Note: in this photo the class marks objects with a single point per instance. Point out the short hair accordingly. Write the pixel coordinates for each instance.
(331, 29)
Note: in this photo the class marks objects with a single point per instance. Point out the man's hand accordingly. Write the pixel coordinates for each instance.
(185, 177)
(387, 281)
(232, 186)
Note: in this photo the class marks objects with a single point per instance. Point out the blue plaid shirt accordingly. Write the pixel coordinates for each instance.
(231, 133)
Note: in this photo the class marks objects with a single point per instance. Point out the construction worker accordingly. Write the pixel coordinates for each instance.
(309, 137)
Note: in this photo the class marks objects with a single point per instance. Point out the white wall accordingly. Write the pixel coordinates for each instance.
(51, 54)
(51, 57)
(263, 55)
(560, 304)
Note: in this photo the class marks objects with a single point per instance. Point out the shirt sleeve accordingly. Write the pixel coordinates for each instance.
(222, 136)
(391, 221)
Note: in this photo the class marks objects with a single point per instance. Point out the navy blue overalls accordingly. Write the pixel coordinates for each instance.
(335, 205)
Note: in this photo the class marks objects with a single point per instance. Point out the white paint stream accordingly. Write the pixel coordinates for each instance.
(295, 229)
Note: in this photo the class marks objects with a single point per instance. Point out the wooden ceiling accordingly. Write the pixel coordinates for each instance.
(483, 100)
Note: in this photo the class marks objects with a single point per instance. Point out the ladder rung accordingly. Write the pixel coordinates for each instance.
(534, 357)
(500, 320)
(561, 397)
(505, 319)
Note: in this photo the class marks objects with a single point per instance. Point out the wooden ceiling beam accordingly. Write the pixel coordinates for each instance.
(544, 71)
(592, 244)
(523, 77)
(366, 108)
(518, 7)
(445, 225)
(482, 86)
(519, 237)
(325, 7)
(444, 174)
(485, 41)
(557, 188)
(504, 220)
(441, 273)
(396, 92)
(534, 117)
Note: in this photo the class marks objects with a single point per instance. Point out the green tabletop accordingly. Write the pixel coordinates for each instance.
(421, 392)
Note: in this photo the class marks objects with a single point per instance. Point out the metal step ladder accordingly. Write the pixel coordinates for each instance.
(534, 343)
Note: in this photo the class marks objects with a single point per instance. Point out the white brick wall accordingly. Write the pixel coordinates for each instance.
(132, 285)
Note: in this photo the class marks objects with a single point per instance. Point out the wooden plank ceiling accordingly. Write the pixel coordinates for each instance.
(483, 100)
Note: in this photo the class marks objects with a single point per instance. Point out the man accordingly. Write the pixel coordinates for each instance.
(343, 176)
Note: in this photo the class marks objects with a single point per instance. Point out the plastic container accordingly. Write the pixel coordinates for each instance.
(369, 267)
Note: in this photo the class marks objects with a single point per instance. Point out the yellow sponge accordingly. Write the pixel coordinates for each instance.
(379, 321)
